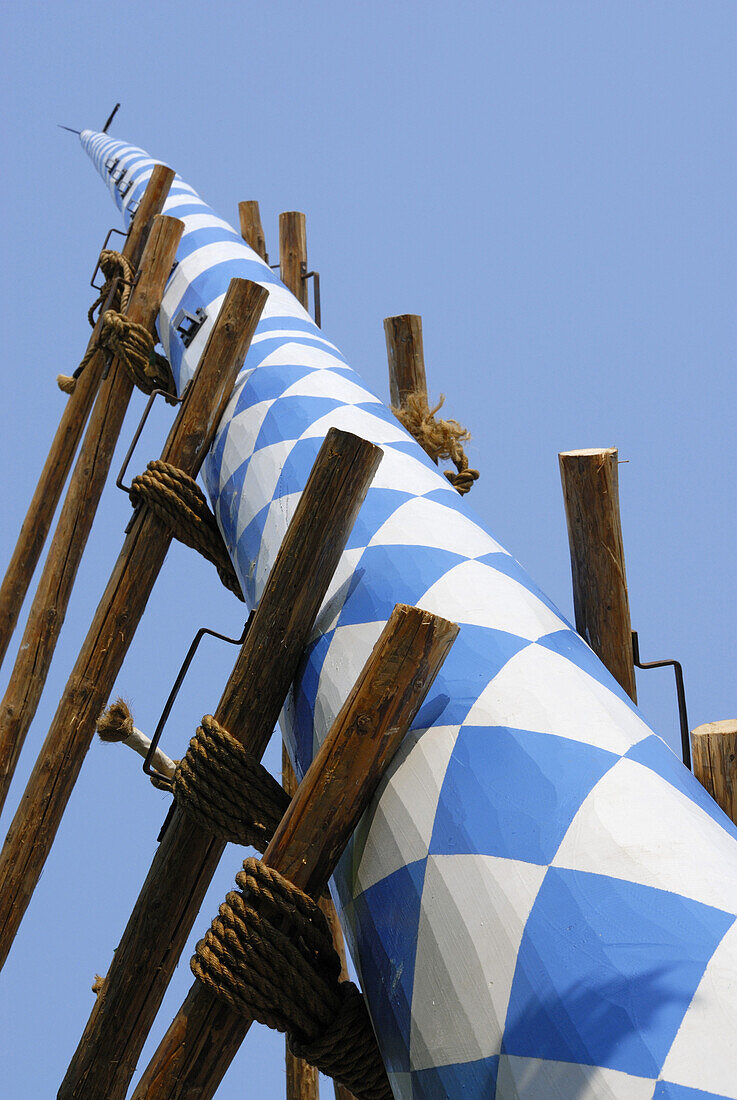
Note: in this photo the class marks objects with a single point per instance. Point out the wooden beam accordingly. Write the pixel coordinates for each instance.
(53, 777)
(77, 407)
(187, 856)
(601, 605)
(51, 599)
(714, 751)
(251, 229)
(206, 1033)
(293, 253)
(406, 357)
(303, 1080)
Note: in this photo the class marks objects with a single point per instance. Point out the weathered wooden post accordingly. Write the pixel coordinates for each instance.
(251, 229)
(601, 605)
(188, 854)
(406, 355)
(51, 599)
(714, 747)
(53, 777)
(293, 253)
(43, 504)
(206, 1033)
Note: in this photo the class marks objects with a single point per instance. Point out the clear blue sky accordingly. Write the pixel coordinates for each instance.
(551, 185)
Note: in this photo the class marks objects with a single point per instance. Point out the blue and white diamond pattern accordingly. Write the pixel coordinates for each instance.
(541, 901)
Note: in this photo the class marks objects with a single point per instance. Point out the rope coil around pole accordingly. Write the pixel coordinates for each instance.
(269, 955)
(133, 345)
(178, 501)
(438, 438)
(225, 790)
(119, 270)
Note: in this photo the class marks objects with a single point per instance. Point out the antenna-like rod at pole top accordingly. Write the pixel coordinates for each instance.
(71, 131)
(112, 116)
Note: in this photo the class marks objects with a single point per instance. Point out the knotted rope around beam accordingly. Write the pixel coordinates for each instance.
(178, 501)
(225, 790)
(133, 345)
(438, 438)
(269, 955)
(119, 275)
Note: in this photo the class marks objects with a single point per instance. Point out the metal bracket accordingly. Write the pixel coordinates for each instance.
(147, 763)
(123, 191)
(315, 276)
(111, 164)
(120, 232)
(132, 207)
(680, 693)
(189, 324)
(171, 400)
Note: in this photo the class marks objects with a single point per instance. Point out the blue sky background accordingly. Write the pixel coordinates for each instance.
(551, 185)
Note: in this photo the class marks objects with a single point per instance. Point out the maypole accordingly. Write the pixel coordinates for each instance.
(539, 899)
(541, 893)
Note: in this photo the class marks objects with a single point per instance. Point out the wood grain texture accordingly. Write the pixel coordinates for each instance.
(77, 405)
(53, 777)
(51, 599)
(293, 253)
(406, 355)
(187, 856)
(252, 230)
(205, 1035)
(590, 482)
(303, 1080)
(714, 756)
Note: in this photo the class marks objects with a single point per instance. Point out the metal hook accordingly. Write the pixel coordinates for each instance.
(680, 693)
(315, 276)
(171, 400)
(148, 769)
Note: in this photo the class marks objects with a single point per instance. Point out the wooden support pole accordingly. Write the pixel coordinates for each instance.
(251, 229)
(303, 1080)
(714, 753)
(206, 1033)
(601, 605)
(77, 407)
(406, 357)
(293, 253)
(53, 777)
(187, 856)
(51, 599)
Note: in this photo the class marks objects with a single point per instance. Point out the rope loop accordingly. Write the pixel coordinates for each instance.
(177, 499)
(438, 438)
(269, 955)
(225, 790)
(114, 265)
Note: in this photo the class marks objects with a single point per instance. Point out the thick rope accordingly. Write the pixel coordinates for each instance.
(133, 345)
(225, 790)
(113, 265)
(177, 499)
(269, 955)
(438, 438)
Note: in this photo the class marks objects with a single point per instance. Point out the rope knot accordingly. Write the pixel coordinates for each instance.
(225, 790)
(438, 438)
(269, 955)
(114, 266)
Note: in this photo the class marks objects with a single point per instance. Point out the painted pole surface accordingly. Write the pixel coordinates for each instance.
(541, 901)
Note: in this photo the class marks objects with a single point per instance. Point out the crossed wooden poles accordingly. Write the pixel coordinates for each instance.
(368, 729)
